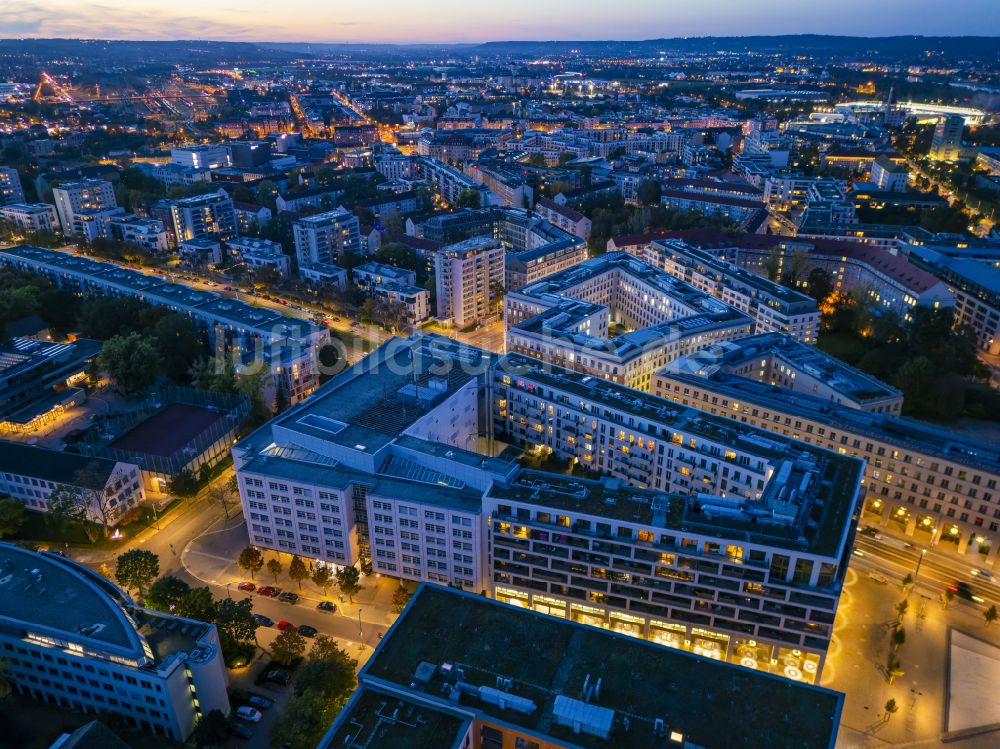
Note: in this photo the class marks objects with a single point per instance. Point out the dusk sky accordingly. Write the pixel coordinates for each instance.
(475, 21)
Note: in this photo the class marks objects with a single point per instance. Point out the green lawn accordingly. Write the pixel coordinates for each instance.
(845, 346)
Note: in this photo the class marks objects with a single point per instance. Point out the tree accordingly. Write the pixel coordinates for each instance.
(251, 560)
(235, 622)
(211, 730)
(197, 604)
(297, 570)
(898, 638)
(274, 567)
(469, 198)
(323, 579)
(132, 361)
(893, 668)
(901, 609)
(907, 581)
(137, 568)
(12, 516)
(818, 284)
(947, 597)
(649, 191)
(891, 708)
(991, 615)
(288, 647)
(183, 483)
(303, 722)
(86, 500)
(328, 671)
(167, 593)
(179, 345)
(772, 266)
(223, 496)
(400, 598)
(348, 580)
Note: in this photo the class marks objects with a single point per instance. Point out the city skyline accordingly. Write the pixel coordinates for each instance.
(450, 21)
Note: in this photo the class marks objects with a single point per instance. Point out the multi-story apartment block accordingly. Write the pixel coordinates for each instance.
(780, 360)
(468, 276)
(888, 281)
(327, 237)
(535, 247)
(86, 207)
(148, 233)
(756, 528)
(395, 286)
(254, 336)
(735, 209)
(209, 216)
(71, 638)
(382, 464)
(510, 185)
(565, 218)
(10, 186)
(450, 183)
(33, 217)
(772, 306)
(30, 474)
(921, 480)
(259, 253)
(565, 319)
(203, 156)
(946, 145)
(458, 670)
(889, 175)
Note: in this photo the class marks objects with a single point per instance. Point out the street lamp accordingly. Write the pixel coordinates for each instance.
(920, 560)
(361, 634)
(230, 595)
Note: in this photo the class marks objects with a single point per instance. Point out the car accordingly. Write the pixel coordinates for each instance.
(306, 631)
(277, 676)
(985, 574)
(261, 703)
(247, 586)
(241, 729)
(248, 713)
(962, 590)
(880, 579)
(288, 597)
(227, 288)
(284, 626)
(270, 591)
(328, 606)
(263, 621)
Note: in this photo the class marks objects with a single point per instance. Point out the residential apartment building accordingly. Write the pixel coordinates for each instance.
(253, 336)
(459, 670)
(890, 175)
(85, 207)
(326, 237)
(31, 217)
(11, 191)
(209, 216)
(773, 307)
(450, 183)
(888, 281)
(565, 218)
(71, 638)
(566, 319)
(946, 144)
(259, 253)
(148, 233)
(758, 529)
(468, 275)
(737, 210)
(202, 156)
(924, 481)
(395, 286)
(380, 464)
(31, 474)
(779, 360)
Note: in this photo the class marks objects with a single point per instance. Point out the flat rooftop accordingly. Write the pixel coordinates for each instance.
(385, 393)
(169, 430)
(47, 591)
(446, 637)
(909, 433)
(840, 475)
(377, 719)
